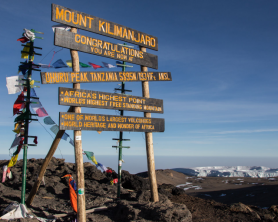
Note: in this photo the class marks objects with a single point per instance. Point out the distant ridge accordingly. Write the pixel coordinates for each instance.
(233, 171)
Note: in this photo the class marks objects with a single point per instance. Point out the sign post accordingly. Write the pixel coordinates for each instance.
(149, 142)
(81, 209)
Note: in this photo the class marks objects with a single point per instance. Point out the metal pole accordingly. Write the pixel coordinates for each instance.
(120, 145)
(26, 124)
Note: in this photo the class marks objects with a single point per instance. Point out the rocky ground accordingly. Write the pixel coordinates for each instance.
(203, 199)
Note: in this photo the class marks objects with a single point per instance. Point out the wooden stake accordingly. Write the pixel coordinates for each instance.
(149, 141)
(46, 161)
(81, 214)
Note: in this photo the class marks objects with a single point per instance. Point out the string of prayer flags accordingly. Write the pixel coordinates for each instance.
(38, 108)
(95, 66)
(4, 173)
(11, 83)
(91, 156)
(83, 65)
(62, 27)
(13, 161)
(55, 129)
(65, 136)
(23, 39)
(107, 65)
(19, 103)
(59, 64)
(45, 65)
(48, 121)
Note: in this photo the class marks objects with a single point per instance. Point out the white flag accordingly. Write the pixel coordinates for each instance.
(11, 82)
(107, 65)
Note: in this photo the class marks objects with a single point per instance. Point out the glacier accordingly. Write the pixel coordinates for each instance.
(230, 171)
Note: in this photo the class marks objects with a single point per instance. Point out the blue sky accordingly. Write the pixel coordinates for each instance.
(223, 100)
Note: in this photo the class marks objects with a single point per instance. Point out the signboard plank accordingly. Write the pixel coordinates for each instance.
(88, 77)
(98, 122)
(101, 26)
(104, 100)
(99, 47)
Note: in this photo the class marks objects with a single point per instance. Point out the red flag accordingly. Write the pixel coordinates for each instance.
(18, 103)
(95, 66)
(23, 39)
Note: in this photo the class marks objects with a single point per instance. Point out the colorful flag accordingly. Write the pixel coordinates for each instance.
(17, 128)
(13, 161)
(102, 166)
(95, 66)
(4, 173)
(83, 65)
(107, 65)
(17, 140)
(69, 63)
(91, 156)
(11, 83)
(71, 142)
(33, 93)
(19, 103)
(23, 39)
(38, 108)
(48, 121)
(59, 64)
(45, 65)
(24, 55)
(65, 136)
(62, 27)
(55, 129)
(73, 196)
(29, 34)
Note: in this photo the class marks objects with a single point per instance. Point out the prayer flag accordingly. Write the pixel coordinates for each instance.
(29, 34)
(71, 142)
(69, 63)
(83, 65)
(55, 129)
(13, 161)
(4, 173)
(17, 128)
(48, 121)
(102, 167)
(11, 83)
(38, 108)
(95, 66)
(24, 55)
(17, 140)
(73, 196)
(9, 173)
(33, 92)
(23, 39)
(59, 64)
(65, 136)
(45, 65)
(62, 27)
(91, 156)
(107, 65)
(19, 103)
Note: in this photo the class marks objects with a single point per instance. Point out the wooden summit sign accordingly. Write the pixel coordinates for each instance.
(98, 122)
(107, 76)
(99, 47)
(104, 100)
(97, 25)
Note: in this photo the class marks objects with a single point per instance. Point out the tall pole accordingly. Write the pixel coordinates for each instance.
(121, 144)
(26, 123)
(149, 141)
(81, 214)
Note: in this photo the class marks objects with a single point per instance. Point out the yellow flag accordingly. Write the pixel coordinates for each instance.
(32, 82)
(24, 55)
(94, 159)
(69, 63)
(17, 128)
(13, 161)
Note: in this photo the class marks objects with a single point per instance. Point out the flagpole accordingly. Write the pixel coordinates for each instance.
(81, 214)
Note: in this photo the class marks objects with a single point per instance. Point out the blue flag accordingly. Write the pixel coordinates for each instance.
(59, 64)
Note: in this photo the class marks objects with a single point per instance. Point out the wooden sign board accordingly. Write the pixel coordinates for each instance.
(98, 47)
(104, 100)
(98, 122)
(88, 77)
(100, 26)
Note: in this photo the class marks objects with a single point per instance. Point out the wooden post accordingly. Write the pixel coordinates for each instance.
(149, 141)
(46, 161)
(81, 214)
